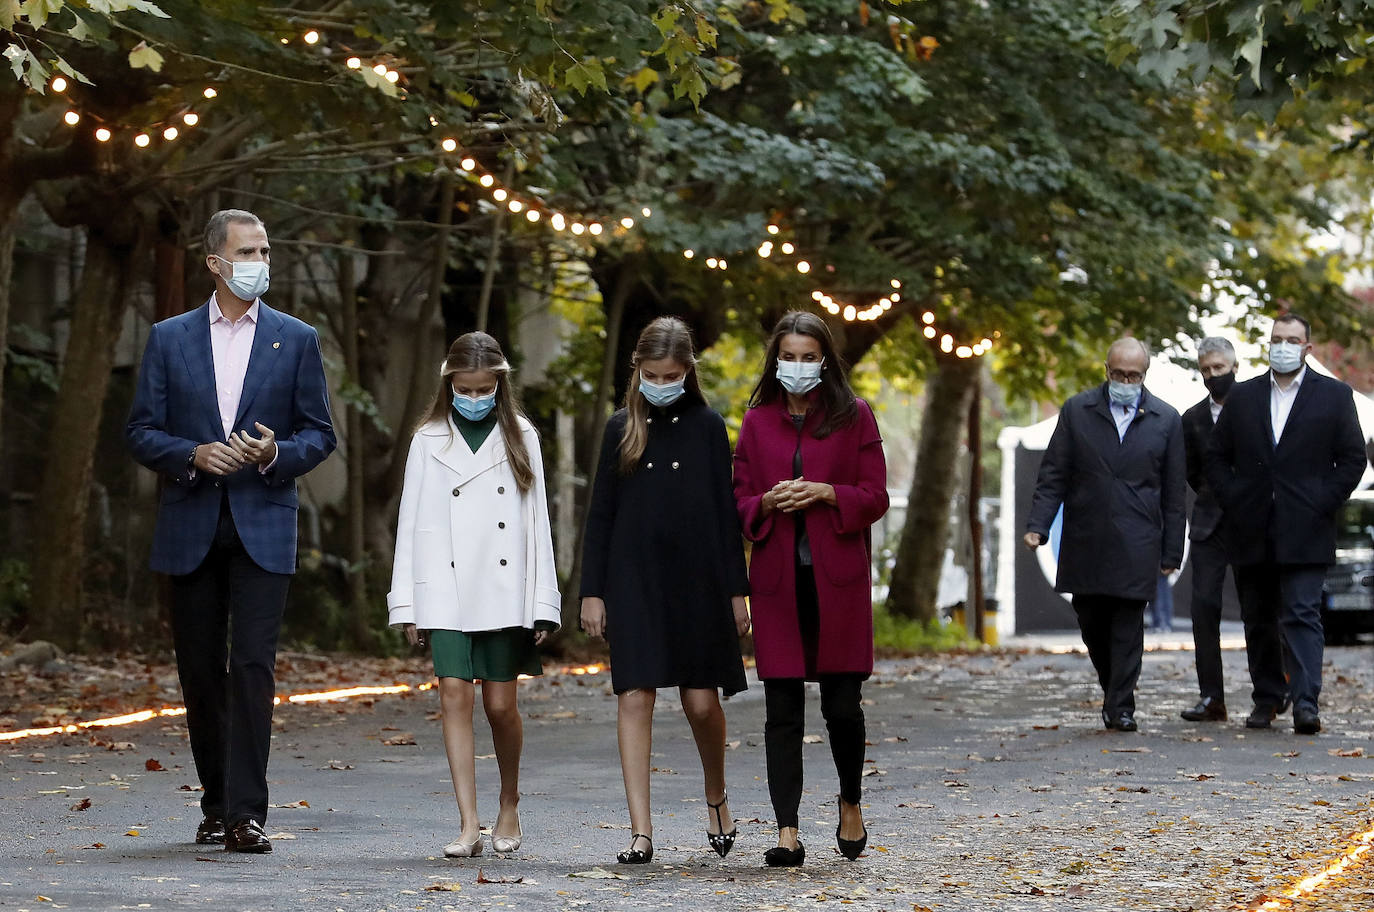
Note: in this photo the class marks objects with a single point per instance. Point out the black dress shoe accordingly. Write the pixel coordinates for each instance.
(1208, 709)
(1260, 716)
(1306, 722)
(1122, 721)
(210, 831)
(247, 836)
(637, 856)
(849, 848)
(783, 857)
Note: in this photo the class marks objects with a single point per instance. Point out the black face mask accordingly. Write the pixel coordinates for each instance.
(1220, 385)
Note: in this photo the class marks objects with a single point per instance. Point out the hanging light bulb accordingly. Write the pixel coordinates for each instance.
(393, 77)
(646, 212)
(578, 228)
(929, 332)
(817, 295)
(450, 145)
(963, 351)
(515, 205)
(627, 222)
(773, 229)
(722, 264)
(486, 180)
(499, 194)
(803, 267)
(72, 118)
(710, 262)
(788, 248)
(849, 312)
(380, 69)
(103, 135)
(170, 134)
(142, 140)
(59, 84)
(927, 318)
(594, 228)
(532, 215)
(896, 284)
(946, 343)
(557, 221)
(190, 118)
(311, 37)
(894, 297)
(987, 343)
(688, 253)
(211, 93)
(765, 250)
(353, 63)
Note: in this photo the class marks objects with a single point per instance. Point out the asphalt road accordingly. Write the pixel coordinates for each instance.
(991, 785)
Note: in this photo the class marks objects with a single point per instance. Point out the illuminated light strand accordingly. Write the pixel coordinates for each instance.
(325, 696)
(1360, 849)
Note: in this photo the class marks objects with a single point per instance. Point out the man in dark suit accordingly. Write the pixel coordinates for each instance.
(1283, 457)
(231, 408)
(1116, 464)
(1216, 359)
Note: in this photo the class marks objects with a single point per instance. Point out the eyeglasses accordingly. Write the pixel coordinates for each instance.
(1124, 377)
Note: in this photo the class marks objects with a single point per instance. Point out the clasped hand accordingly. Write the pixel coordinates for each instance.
(241, 450)
(795, 494)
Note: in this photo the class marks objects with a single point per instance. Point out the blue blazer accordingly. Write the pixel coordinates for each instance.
(176, 407)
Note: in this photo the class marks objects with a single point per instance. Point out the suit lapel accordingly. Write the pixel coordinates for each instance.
(200, 362)
(1300, 401)
(262, 359)
(453, 452)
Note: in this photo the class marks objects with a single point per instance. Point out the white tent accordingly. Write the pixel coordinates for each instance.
(1179, 386)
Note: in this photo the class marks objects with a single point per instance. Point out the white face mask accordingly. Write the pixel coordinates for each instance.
(1285, 357)
(800, 377)
(249, 280)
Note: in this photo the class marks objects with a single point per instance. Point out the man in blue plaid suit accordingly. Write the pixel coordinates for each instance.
(231, 408)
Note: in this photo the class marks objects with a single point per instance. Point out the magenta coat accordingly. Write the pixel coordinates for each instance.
(850, 459)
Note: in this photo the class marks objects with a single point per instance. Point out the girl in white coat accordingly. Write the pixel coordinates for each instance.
(474, 570)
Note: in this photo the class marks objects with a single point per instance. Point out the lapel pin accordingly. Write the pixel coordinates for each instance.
(276, 345)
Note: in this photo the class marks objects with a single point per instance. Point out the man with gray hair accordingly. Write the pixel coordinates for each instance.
(231, 408)
(1115, 463)
(1216, 359)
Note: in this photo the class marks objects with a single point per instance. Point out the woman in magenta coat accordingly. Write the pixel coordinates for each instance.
(810, 481)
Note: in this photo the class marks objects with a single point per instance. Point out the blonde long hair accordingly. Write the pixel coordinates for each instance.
(665, 337)
(477, 351)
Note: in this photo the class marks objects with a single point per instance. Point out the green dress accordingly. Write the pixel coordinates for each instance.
(488, 655)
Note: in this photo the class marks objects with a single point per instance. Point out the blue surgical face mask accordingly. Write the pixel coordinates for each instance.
(474, 408)
(249, 280)
(800, 377)
(1124, 393)
(662, 394)
(1285, 357)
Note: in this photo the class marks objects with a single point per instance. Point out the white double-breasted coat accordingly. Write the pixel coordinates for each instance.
(472, 552)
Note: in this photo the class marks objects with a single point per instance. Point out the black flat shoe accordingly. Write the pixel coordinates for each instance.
(210, 831)
(1208, 709)
(850, 848)
(783, 857)
(722, 842)
(1306, 722)
(247, 836)
(1261, 716)
(637, 856)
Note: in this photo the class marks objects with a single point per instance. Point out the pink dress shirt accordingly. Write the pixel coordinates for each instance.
(231, 344)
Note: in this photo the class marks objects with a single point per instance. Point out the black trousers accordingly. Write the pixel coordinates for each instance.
(785, 718)
(226, 616)
(1114, 632)
(1209, 579)
(1281, 607)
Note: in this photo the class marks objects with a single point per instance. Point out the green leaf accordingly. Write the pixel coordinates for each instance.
(706, 32)
(378, 81)
(71, 71)
(641, 80)
(581, 76)
(9, 14)
(144, 57)
(1160, 27)
(16, 56)
(666, 20)
(1252, 50)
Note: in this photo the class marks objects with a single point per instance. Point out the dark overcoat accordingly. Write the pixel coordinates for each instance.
(851, 460)
(1123, 499)
(662, 547)
(1290, 493)
(1197, 430)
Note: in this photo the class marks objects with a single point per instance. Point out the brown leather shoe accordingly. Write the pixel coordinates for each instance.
(247, 836)
(1208, 709)
(210, 831)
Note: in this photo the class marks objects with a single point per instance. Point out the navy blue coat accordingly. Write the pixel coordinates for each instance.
(176, 408)
(1123, 500)
(1289, 493)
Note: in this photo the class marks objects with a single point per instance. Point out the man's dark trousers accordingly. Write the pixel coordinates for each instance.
(1209, 579)
(226, 615)
(1281, 606)
(1114, 632)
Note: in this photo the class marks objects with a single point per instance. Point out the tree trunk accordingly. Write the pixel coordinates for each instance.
(60, 542)
(976, 602)
(9, 212)
(359, 606)
(921, 552)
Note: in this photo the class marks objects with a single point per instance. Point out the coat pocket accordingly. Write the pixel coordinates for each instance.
(766, 561)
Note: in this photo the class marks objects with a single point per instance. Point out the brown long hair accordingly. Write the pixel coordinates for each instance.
(665, 337)
(477, 351)
(837, 397)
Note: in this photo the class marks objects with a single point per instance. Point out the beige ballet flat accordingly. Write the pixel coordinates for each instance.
(464, 849)
(506, 844)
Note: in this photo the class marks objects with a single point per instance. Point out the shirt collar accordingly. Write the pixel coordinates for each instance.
(1292, 387)
(216, 314)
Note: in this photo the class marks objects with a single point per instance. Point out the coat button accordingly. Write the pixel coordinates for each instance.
(649, 465)
(452, 564)
(675, 465)
(503, 562)
(648, 421)
(501, 490)
(500, 525)
(457, 491)
(675, 417)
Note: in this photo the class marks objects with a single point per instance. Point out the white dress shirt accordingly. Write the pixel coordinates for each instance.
(1215, 406)
(1281, 401)
(230, 345)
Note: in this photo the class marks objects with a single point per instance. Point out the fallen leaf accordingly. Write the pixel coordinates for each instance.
(482, 878)
(1289, 754)
(133, 833)
(95, 845)
(81, 805)
(598, 874)
(295, 804)
(812, 739)
(1353, 752)
(446, 886)
(1045, 728)
(152, 765)
(399, 740)
(282, 836)
(336, 765)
